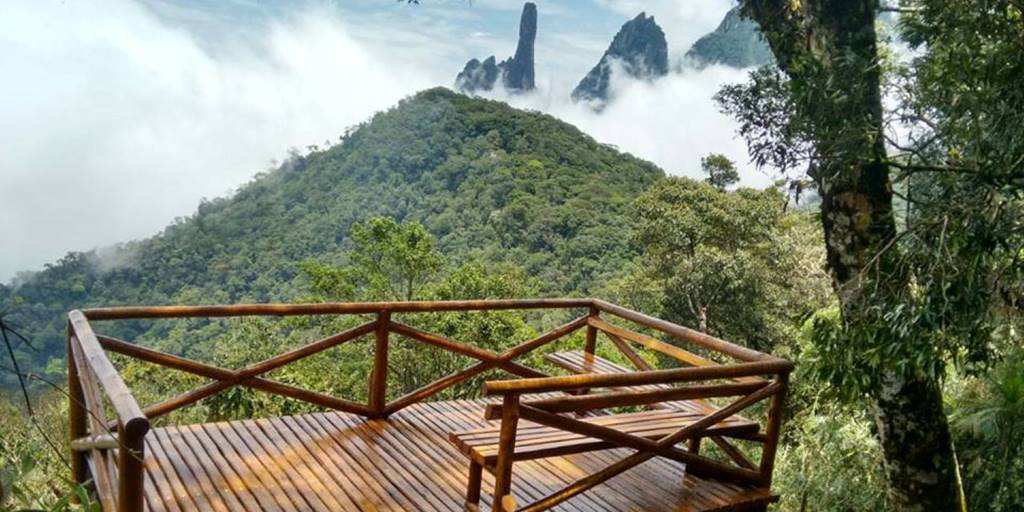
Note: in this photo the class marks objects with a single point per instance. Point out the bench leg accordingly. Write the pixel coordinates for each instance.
(473, 490)
(695, 445)
(506, 450)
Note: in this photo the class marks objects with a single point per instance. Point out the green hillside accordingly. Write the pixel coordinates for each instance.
(489, 182)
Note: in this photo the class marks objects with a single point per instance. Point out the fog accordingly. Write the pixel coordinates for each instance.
(115, 120)
(672, 121)
(115, 123)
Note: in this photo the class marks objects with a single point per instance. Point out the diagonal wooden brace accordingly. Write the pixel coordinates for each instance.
(248, 376)
(464, 349)
(627, 463)
(468, 373)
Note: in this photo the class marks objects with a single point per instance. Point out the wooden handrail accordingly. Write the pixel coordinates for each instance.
(631, 398)
(97, 442)
(129, 414)
(686, 432)
(545, 412)
(674, 376)
(616, 334)
(248, 376)
(705, 340)
(132, 424)
(463, 349)
(331, 308)
(695, 464)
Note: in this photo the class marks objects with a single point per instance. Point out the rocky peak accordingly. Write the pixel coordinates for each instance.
(519, 69)
(639, 50)
(516, 73)
(737, 42)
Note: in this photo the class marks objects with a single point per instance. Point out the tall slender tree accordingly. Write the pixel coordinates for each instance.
(828, 51)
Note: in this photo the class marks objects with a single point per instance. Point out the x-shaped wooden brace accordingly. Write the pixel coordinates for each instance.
(647, 449)
(487, 359)
(248, 376)
(612, 332)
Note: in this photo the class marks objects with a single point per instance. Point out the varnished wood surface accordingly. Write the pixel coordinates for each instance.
(339, 461)
(536, 441)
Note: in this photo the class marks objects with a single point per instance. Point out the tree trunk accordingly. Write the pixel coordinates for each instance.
(828, 48)
(917, 447)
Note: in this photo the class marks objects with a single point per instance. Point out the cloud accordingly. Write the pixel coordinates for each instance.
(118, 116)
(115, 122)
(672, 121)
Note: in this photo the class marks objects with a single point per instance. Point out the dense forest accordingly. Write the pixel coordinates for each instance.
(897, 292)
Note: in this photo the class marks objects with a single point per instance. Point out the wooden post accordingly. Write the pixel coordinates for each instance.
(130, 468)
(473, 489)
(772, 429)
(77, 415)
(506, 449)
(379, 376)
(591, 343)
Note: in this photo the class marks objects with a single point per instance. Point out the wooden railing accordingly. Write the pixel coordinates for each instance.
(545, 411)
(113, 459)
(109, 453)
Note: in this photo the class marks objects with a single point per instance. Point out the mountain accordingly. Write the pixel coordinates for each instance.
(639, 50)
(516, 73)
(490, 182)
(737, 42)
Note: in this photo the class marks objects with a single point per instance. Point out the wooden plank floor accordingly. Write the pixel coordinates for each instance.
(337, 461)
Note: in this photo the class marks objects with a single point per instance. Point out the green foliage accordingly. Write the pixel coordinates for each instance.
(720, 170)
(388, 262)
(829, 458)
(734, 264)
(765, 109)
(414, 365)
(830, 462)
(988, 424)
(393, 258)
(957, 245)
(31, 473)
(386, 252)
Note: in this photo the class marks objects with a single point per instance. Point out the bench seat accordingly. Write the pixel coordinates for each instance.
(538, 441)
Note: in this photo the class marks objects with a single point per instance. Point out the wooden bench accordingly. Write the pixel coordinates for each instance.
(533, 441)
(579, 362)
(537, 441)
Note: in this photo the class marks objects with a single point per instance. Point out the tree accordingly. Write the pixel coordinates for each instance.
(932, 284)
(828, 51)
(720, 170)
(729, 263)
(388, 261)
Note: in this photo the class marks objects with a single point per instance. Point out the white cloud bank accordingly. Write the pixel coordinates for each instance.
(115, 121)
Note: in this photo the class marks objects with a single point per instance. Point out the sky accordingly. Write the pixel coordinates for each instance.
(118, 116)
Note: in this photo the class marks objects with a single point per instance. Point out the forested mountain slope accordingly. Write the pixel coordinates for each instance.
(488, 181)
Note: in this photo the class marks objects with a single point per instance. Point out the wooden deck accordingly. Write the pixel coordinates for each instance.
(543, 444)
(339, 461)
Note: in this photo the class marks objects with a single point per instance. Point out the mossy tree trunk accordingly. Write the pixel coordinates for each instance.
(828, 49)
